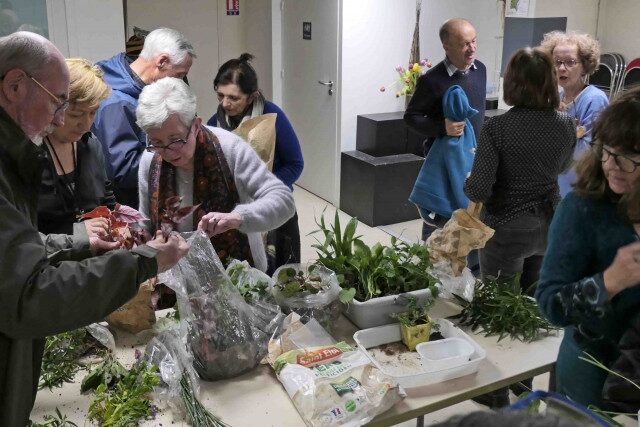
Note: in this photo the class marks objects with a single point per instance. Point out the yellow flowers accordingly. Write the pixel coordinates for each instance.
(409, 77)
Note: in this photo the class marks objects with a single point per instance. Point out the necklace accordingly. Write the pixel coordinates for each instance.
(69, 182)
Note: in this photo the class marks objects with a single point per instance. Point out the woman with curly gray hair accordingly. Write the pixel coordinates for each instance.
(576, 56)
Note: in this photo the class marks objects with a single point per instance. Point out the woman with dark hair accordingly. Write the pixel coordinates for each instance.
(515, 171)
(590, 274)
(515, 174)
(236, 86)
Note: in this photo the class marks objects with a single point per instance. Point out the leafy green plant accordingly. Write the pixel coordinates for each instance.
(291, 282)
(369, 272)
(61, 354)
(250, 290)
(128, 402)
(415, 314)
(500, 308)
(109, 372)
(57, 420)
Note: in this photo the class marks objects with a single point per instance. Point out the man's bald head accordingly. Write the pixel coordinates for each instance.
(451, 27)
(34, 82)
(27, 51)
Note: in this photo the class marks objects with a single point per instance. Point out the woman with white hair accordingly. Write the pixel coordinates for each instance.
(239, 198)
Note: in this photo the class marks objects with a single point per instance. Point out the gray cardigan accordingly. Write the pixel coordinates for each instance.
(265, 202)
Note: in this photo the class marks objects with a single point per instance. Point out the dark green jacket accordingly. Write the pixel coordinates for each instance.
(48, 284)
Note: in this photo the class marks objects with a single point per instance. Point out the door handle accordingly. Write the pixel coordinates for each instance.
(329, 83)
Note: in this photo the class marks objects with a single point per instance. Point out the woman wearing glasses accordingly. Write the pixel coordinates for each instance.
(236, 85)
(239, 198)
(576, 56)
(591, 271)
(74, 180)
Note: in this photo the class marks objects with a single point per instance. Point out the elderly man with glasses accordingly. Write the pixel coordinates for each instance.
(50, 284)
(166, 53)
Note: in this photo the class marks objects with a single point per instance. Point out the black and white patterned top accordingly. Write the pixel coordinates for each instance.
(517, 162)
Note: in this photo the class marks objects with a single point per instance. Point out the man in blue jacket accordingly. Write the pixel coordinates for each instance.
(166, 53)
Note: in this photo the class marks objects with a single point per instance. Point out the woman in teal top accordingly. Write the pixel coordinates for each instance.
(591, 271)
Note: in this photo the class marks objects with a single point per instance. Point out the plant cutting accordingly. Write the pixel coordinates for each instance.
(500, 308)
(252, 283)
(128, 401)
(61, 357)
(57, 420)
(123, 224)
(415, 322)
(292, 282)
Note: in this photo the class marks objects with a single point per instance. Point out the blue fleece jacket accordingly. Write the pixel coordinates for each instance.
(123, 142)
(287, 162)
(440, 183)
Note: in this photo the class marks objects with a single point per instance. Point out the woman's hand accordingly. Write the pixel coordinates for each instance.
(624, 271)
(215, 223)
(97, 227)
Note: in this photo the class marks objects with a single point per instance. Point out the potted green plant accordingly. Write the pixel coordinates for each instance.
(415, 322)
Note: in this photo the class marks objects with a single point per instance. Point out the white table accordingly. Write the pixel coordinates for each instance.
(257, 398)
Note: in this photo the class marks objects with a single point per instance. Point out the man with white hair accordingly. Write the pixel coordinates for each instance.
(166, 53)
(48, 284)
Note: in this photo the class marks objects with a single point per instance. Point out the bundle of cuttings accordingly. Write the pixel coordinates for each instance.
(500, 308)
(61, 358)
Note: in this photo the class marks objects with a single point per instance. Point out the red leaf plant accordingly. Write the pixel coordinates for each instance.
(174, 214)
(124, 225)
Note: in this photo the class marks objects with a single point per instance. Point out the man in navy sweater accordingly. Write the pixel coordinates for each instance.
(459, 67)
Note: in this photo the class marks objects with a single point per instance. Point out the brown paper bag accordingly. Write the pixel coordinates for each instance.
(459, 236)
(260, 134)
(137, 314)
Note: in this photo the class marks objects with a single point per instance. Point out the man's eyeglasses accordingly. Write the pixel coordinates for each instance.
(175, 144)
(625, 163)
(62, 104)
(568, 63)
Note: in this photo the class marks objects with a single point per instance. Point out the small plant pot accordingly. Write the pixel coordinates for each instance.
(414, 335)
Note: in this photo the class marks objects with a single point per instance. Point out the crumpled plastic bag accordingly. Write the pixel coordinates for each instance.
(168, 351)
(449, 284)
(335, 385)
(459, 236)
(323, 306)
(224, 334)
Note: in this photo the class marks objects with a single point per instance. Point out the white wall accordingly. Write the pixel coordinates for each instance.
(582, 15)
(619, 29)
(91, 29)
(376, 36)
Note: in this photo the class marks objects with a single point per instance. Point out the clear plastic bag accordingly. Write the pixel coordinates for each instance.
(225, 334)
(324, 306)
(462, 285)
(168, 351)
(103, 335)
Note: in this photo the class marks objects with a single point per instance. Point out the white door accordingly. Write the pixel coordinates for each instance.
(310, 106)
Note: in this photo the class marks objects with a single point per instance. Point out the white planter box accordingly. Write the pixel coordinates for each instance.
(374, 337)
(376, 311)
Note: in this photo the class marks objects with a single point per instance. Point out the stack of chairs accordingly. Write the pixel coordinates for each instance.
(631, 75)
(609, 76)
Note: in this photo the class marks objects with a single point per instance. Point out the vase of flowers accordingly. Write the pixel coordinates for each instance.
(408, 78)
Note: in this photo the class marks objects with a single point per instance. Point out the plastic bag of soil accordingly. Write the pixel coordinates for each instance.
(309, 289)
(224, 333)
(335, 385)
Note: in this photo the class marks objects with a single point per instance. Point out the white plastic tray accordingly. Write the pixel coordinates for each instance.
(376, 311)
(373, 337)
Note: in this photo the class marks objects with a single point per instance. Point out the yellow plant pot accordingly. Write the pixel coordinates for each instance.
(414, 335)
